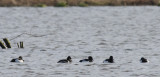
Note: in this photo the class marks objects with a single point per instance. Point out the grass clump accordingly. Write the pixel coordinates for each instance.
(83, 5)
(159, 4)
(61, 4)
(41, 5)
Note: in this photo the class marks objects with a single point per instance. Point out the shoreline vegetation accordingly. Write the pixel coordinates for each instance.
(81, 3)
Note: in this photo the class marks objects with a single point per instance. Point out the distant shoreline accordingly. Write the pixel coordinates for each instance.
(82, 3)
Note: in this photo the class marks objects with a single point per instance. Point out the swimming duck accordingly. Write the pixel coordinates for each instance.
(143, 60)
(90, 59)
(68, 60)
(19, 59)
(110, 60)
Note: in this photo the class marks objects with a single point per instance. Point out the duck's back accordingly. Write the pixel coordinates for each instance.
(13, 60)
(84, 60)
(63, 61)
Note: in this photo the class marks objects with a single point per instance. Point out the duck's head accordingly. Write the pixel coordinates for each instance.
(20, 58)
(111, 57)
(90, 58)
(69, 58)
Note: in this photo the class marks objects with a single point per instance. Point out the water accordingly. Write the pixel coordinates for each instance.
(50, 34)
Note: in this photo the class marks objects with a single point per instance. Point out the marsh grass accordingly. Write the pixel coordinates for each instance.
(83, 4)
(158, 3)
(41, 5)
(61, 4)
(64, 3)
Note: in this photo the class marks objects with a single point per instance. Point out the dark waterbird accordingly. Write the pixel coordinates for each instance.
(143, 60)
(90, 59)
(68, 60)
(110, 60)
(19, 59)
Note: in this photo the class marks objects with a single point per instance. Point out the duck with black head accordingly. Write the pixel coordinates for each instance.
(110, 60)
(68, 60)
(143, 60)
(90, 59)
(19, 59)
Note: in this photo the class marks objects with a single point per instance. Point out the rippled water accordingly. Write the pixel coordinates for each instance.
(50, 34)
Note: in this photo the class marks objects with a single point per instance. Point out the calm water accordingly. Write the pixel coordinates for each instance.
(50, 34)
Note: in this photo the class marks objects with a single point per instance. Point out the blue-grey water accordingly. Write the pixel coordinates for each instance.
(52, 33)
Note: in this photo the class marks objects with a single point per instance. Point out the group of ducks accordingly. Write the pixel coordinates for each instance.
(90, 59)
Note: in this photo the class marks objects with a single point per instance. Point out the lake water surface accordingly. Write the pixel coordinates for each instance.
(51, 33)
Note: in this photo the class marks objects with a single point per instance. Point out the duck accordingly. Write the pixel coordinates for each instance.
(19, 59)
(68, 60)
(110, 60)
(143, 60)
(90, 59)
